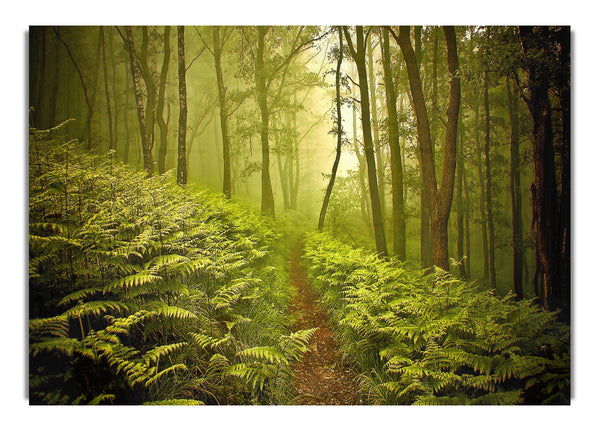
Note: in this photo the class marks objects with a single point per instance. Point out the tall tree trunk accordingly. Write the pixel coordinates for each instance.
(460, 217)
(218, 46)
(398, 216)
(160, 105)
(467, 207)
(359, 59)
(544, 200)
(515, 191)
(375, 127)
(267, 206)
(151, 89)
(364, 204)
(482, 201)
(136, 76)
(488, 184)
(111, 144)
(439, 201)
(565, 193)
(181, 141)
(338, 149)
(126, 118)
(114, 90)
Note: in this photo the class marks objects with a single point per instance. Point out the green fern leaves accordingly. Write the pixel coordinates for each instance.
(432, 339)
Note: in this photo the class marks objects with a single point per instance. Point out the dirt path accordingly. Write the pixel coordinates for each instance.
(320, 378)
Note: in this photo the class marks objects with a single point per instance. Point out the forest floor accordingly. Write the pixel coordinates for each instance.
(320, 378)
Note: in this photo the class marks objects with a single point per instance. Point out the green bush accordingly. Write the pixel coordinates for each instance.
(433, 339)
(142, 291)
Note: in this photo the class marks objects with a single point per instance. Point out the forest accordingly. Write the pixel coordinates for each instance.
(299, 215)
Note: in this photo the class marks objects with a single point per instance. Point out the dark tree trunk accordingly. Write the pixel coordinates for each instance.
(267, 206)
(398, 216)
(338, 149)
(136, 76)
(565, 195)
(544, 200)
(375, 127)
(114, 91)
(160, 105)
(359, 59)
(488, 186)
(515, 191)
(181, 141)
(111, 141)
(439, 201)
(224, 115)
(482, 200)
(460, 213)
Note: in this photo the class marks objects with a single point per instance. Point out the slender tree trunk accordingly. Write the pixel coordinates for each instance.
(217, 44)
(460, 217)
(375, 127)
(467, 222)
(359, 59)
(515, 192)
(482, 200)
(114, 90)
(488, 186)
(398, 216)
(364, 204)
(126, 118)
(160, 105)
(111, 144)
(139, 101)
(181, 141)
(151, 89)
(338, 149)
(267, 202)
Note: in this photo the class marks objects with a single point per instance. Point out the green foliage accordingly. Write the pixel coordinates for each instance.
(432, 339)
(144, 292)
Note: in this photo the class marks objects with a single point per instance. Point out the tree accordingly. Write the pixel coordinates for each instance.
(338, 149)
(160, 105)
(439, 200)
(542, 61)
(398, 215)
(218, 44)
(181, 141)
(136, 76)
(358, 54)
(515, 190)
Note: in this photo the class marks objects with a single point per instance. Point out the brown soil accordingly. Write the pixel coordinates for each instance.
(320, 378)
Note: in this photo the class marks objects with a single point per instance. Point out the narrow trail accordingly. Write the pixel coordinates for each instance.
(320, 378)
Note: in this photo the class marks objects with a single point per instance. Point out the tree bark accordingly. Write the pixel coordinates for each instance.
(439, 201)
(160, 104)
(267, 206)
(224, 115)
(515, 191)
(136, 76)
(398, 215)
(488, 185)
(359, 58)
(111, 144)
(482, 200)
(375, 127)
(338, 149)
(460, 213)
(544, 200)
(181, 141)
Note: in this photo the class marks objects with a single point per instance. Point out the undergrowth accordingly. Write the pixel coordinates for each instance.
(145, 292)
(433, 339)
